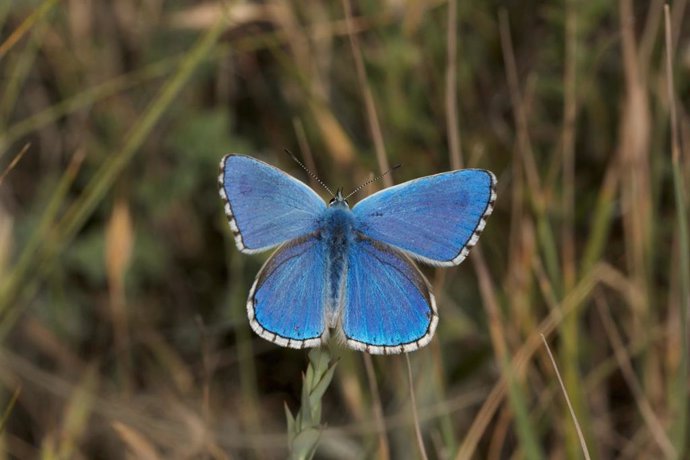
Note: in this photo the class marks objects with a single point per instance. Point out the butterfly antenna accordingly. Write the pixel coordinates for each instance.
(371, 180)
(311, 174)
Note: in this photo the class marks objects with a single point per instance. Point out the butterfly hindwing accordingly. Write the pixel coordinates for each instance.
(435, 219)
(265, 207)
(286, 302)
(388, 307)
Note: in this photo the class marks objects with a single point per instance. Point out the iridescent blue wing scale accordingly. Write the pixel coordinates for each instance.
(435, 219)
(388, 306)
(286, 302)
(265, 207)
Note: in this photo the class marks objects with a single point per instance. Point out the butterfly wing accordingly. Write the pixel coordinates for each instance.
(388, 307)
(265, 207)
(286, 302)
(435, 219)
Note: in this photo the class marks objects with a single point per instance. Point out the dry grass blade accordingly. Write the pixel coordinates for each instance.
(75, 419)
(487, 289)
(570, 354)
(670, 87)
(569, 131)
(15, 161)
(636, 183)
(372, 117)
(306, 151)
(137, 443)
(623, 359)
(535, 191)
(384, 449)
(452, 87)
(25, 26)
(9, 408)
(514, 389)
(12, 285)
(680, 387)
(519, 114)
(415, 415)
(580, 436)
(401, 419)
(85, 98)
(600, 274)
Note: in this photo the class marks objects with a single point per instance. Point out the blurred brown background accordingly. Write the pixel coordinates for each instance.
(122, 320)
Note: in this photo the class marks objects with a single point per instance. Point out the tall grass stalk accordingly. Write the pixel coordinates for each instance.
(600, 274)
(19, 71)
(9, 408)
(237, 297)
(15, 161)
(372, 115)
(64, 442)
(679, 394)
(377, 408)
(415, 415)
(516, 389)
(16, 281)
(570, 333)
(576, 423)
(624, 364)
(26, 26)
(85, 98)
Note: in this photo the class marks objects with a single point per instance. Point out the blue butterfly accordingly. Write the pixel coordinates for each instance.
(350, 269)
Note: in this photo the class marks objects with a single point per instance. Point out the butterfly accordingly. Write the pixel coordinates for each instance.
(345, 269)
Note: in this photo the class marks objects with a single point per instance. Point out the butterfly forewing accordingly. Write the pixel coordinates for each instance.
(435, 219)
(265, 207)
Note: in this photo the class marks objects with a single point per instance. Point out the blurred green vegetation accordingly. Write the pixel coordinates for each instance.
(122, 316)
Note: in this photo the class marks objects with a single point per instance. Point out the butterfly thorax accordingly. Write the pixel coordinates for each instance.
(337, 233)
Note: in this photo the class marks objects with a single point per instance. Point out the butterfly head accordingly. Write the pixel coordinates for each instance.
(338, 200)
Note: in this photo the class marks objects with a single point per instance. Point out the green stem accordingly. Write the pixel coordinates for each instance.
(304, 429)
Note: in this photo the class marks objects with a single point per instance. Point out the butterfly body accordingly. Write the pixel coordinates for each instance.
(337, 233)
(350, 270)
